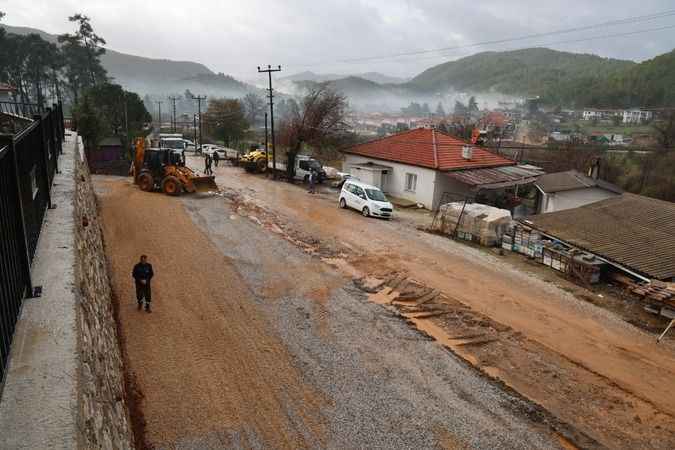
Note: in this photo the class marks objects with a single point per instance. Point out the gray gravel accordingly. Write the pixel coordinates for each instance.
(388, 386)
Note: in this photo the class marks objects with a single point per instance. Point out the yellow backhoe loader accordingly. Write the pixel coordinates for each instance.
(163, 168)
(254, 161)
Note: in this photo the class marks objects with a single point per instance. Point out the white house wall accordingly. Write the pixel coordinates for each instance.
(395, 184)
(560, 201)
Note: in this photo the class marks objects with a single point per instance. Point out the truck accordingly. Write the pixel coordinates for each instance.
(301, 166)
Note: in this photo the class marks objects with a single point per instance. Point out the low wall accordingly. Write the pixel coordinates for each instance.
(64, 385)
(103, 416)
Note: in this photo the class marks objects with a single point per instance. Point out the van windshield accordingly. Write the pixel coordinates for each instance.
(376, 194)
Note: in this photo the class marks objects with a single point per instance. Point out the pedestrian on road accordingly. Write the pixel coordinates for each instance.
(142, 275)
(312, 181)
(207, 164)
(216, 158)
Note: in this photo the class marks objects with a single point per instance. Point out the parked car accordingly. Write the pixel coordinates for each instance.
(367, 199)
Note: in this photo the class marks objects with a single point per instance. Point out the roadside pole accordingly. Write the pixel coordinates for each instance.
(267, 158)
(269, 71)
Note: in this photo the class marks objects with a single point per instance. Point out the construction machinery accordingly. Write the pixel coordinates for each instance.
(254, 161)
(164, 168)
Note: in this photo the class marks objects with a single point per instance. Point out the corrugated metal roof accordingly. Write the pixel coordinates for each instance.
(570, 180)
(634, 231)
(429, 148)
(496, 177)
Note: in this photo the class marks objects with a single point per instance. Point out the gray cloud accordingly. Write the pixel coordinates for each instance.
(235, 37)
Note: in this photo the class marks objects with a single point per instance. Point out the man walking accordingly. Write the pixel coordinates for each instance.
(312, 181)
(142, 275)
(207, 164)
(216, 158)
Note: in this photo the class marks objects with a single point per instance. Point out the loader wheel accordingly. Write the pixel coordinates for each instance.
(262, 165)
(146, 182)
(171, 186)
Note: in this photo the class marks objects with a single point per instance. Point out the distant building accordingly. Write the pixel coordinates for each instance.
(599, 114)
(564, 190)
(637, 116)
(109, 158)
(7, 92)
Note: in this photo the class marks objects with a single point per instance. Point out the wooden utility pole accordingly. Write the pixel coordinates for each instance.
(173, 121)
(269, 71)
(199, 112)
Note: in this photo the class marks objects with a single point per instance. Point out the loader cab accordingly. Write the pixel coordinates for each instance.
(156, 159)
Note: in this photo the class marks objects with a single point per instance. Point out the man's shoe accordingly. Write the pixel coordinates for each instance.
(140, 305)
(147, 308)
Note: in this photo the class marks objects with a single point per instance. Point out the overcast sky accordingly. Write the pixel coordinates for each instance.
(236, 36)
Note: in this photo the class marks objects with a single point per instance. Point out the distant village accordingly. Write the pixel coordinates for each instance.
(526, 123)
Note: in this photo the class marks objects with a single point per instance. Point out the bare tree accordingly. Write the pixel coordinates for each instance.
(254, 106)
(320, 119)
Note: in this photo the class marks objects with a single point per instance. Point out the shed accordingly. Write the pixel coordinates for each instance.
(629, 230)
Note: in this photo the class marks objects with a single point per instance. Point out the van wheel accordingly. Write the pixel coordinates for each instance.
(343, 203)
(365, 212)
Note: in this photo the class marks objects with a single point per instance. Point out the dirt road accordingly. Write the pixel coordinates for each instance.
(253, 343)
(581, 362)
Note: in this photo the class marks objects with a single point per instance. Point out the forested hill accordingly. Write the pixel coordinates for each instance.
(533, 71)
(559, 78)
(650, 83)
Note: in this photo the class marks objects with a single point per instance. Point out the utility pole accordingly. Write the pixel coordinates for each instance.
(267, 153)
(173, 122)
(194, 128)
(159, 113)
(269, 71)
(199, 111)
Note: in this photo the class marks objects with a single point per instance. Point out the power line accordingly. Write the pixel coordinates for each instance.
(625, 21)
(629, 20)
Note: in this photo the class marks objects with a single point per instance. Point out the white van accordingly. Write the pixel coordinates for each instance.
(365, 198)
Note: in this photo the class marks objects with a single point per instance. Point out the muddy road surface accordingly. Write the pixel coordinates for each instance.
(254, 342)
(584, 364)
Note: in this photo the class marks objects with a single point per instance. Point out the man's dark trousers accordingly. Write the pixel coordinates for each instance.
(143, 292)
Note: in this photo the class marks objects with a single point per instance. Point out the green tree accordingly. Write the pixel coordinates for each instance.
(225, 120)
(108, 110)
(82, 52)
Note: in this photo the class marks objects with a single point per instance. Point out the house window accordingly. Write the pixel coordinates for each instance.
(410, 182)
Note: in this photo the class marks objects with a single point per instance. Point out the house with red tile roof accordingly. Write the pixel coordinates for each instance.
(421, 165)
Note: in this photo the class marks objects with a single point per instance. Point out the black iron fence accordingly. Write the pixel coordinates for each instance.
(28, 163)
(21, 109)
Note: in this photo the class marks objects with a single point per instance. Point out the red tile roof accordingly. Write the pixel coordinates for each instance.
(416, 147)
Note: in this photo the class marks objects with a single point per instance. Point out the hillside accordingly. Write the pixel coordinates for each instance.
(533, 71)
(650, 83)
(140, 74)
(375, 77)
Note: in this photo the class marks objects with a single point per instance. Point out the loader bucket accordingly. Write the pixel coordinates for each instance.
(205, 183)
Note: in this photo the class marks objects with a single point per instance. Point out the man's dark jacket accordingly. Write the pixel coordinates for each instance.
(142, 271)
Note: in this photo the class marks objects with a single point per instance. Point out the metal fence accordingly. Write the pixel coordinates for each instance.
(28, 163)
(21, 109)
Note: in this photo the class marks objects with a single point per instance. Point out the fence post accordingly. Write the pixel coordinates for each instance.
(45, 157)
(9, 141)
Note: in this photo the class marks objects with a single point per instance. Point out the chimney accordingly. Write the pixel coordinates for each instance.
(467, 152)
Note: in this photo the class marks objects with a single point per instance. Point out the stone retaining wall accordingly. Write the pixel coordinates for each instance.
(103, 414)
